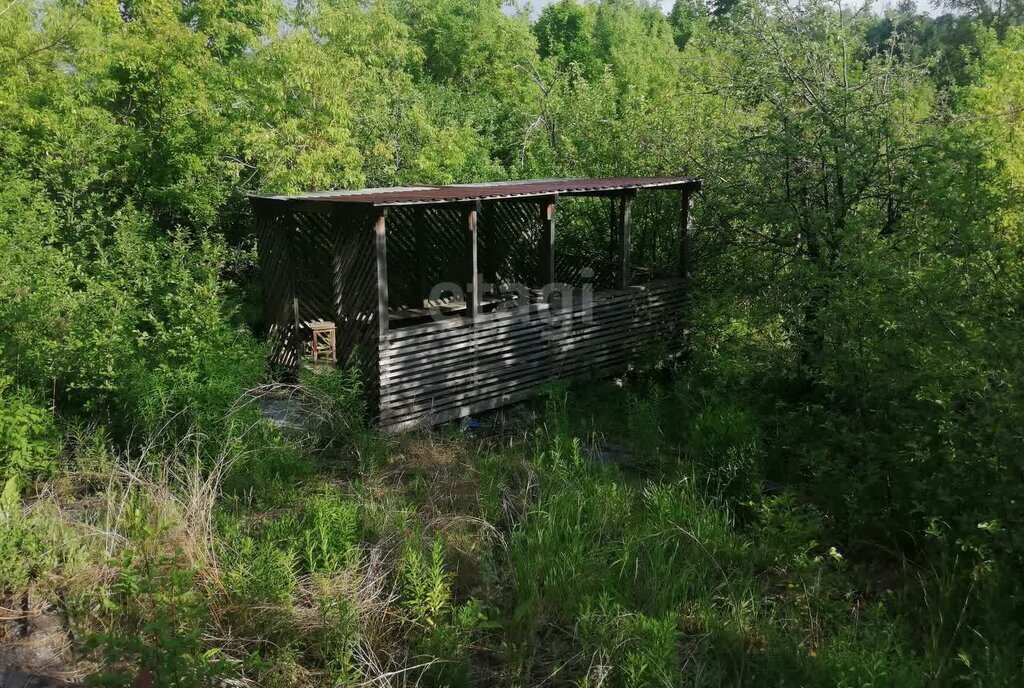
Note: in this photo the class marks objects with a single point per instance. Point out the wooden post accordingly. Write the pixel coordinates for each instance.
(546, 273)
(473, 284)
(293, 276)
(381, 245)
(625, 228)
(298, 332)
(686, 239)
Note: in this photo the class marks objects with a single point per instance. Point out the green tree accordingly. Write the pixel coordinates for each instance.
(683, 15)
(996, 14)
(479, 66)
(565, 34)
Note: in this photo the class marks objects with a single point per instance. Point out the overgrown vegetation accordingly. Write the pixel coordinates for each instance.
(826, 491)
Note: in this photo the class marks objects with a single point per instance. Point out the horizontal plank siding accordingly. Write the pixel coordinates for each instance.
(458, 366)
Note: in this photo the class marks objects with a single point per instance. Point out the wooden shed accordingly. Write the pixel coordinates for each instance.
(460, 299)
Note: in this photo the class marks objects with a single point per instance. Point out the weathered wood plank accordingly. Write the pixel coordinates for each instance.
(610, 362)
(454, 327)
(473, 283)
(426, 382)
(668, 312)
(625, 232)
(517, 366)
(588, 357)
(666, 285)
(381, 246)
(426, 363)
(421, 419)
(406, 371)
(546, 249)
(438, 346)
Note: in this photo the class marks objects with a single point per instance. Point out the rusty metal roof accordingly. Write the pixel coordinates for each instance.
(461, 193)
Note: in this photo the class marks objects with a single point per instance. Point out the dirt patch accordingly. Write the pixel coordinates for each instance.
(35, 646)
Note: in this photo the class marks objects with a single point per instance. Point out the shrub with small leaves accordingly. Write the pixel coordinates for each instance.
(28, 439)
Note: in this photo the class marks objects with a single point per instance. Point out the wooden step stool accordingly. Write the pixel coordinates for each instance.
(324, 340)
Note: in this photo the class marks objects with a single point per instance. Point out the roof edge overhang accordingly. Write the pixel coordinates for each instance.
(471, 193)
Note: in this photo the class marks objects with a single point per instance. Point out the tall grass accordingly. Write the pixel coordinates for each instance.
(283, 557)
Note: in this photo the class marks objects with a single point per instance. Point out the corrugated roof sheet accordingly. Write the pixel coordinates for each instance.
(461, 193)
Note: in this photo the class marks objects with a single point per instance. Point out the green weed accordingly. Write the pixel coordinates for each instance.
(258, 569)
(329, 532)
(725, 448)
(161, 630)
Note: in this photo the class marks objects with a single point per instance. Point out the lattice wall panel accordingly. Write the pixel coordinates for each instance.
(355, 290)
(509, 236)
(426, 246)
(430, 246)
(314, 238)
(327, 262)
(273, 232)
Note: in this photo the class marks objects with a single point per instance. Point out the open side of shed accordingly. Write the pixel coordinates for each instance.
(458, 299)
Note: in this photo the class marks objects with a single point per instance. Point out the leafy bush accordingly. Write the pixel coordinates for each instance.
(161, 633)
(119, 320)
(343, 385)
(30, 546)
(28, 437)
(426, 585)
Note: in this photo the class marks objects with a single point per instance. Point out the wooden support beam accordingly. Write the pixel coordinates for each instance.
(381, 250)
(293, 276)
(297, 332)
(473, 284)
(686, 238)
(625, 229)
(546, 272)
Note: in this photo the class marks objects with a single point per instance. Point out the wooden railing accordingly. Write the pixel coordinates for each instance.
(458, 366)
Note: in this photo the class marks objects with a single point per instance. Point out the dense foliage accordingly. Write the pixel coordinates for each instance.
(831, 487)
